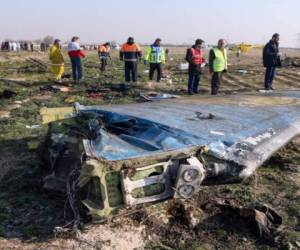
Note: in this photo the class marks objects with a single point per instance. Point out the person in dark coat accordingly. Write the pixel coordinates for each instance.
(271, 60)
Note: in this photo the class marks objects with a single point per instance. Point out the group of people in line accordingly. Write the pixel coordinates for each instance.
(16, 46)
(155, 56)
(24, 46)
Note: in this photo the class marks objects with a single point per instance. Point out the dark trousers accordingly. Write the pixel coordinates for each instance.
(216, 80)
(269, 77)
(155, 67)
(131, 71)
(76, 68)
(193, 82)
(103, 64)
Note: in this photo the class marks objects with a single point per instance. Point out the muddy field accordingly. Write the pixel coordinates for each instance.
(30, 218)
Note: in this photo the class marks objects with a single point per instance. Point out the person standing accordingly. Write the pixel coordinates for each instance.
(217, 65)
(238, 52)
(76, 53)
(130, 53)
(104, 54)
(194, 56)
(155, 55)
(271, 60)
(57, 60)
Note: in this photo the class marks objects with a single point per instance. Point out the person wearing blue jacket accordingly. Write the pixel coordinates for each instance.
(271, 60)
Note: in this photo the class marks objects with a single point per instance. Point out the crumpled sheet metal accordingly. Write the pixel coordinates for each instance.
(134, 137)
(247, 129)
(108, 189)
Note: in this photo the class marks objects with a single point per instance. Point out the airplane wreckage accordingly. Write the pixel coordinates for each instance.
(115, 156)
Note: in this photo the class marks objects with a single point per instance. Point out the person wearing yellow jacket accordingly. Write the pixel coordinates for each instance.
(155, 55)
(57, 61)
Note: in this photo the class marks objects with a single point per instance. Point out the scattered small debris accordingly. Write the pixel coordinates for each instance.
(263, 219)
(66, 76)
(183, 66)
(95, 95)
(265, 91)
(71, 99)
(62, 88)
(49, 88)
(242, 71)
(202, 116)
(33, 126)
(54, 114)
(54, 88)
(186, 212)
(33, 145)
(153, 96)
(7, 94)
(120, 87)
(14, 106)
(4, 114)
(289, 61)
(97, 89)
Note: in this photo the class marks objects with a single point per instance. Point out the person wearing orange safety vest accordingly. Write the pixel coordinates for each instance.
(104, 54)
(194, 57)
(130, 53)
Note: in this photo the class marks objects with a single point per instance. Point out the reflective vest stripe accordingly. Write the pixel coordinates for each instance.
(155, 54)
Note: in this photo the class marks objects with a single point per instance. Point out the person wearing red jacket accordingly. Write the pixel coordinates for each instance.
(76, 53)
(194, 56)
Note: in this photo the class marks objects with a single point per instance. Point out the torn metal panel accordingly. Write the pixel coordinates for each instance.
(137, 153)
(245, 123)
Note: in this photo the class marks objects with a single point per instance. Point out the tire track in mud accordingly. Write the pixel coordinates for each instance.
(230, 81)
(285, 81)
(291, 71)
(291, 77)
(230, 84)
(241, 81)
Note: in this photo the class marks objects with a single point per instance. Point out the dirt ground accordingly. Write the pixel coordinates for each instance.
(30, 218)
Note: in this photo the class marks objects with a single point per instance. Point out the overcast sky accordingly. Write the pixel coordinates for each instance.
(175, 21)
